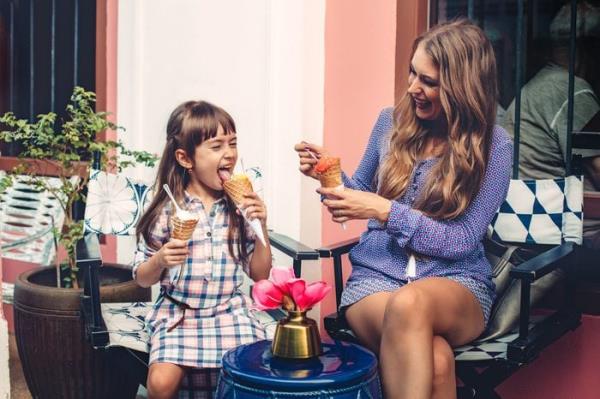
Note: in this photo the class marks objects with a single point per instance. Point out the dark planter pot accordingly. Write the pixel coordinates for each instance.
(57, 361)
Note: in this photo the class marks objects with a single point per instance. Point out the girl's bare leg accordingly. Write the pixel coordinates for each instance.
(164, 380)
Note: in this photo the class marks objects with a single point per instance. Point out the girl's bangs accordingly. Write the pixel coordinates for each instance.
(202, 125)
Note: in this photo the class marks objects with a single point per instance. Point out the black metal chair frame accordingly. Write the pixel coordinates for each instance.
(132, 362)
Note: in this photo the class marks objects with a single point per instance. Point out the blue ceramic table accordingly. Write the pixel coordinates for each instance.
(344, 371)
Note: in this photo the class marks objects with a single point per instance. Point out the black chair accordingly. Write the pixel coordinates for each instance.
(483, 364)
(118, 329)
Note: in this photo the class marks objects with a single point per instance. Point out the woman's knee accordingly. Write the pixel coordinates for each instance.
(443, 361)
(407, 306)
(163, 382)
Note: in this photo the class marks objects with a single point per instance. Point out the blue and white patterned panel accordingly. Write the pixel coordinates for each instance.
(27, 217)
(493, 348)
(114, 203)
(125, 323)
(541, 212)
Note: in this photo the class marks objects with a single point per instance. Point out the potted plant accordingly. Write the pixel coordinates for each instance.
(48, 325)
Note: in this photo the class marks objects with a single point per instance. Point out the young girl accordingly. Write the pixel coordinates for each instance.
(434, 173)
(203, 313)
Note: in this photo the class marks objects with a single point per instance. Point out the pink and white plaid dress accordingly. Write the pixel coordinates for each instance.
(219, 317)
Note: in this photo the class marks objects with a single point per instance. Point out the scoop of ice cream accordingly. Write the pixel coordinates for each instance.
(186, 215)
(325, 163)
(239, 177)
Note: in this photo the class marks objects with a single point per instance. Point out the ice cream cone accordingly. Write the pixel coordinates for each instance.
(237, 186)
(183, 228)
(332, 175)
(329, 171)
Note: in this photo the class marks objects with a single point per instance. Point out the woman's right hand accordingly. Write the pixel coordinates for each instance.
(173, 253)
(308, 162)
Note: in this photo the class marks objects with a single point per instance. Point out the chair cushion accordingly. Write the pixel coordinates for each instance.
(125, 323)
(492, 348)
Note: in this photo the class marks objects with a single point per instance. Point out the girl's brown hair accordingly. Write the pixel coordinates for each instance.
(468, 93)
(190, 124)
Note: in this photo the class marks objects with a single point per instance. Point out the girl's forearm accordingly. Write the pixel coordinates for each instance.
(149, 272)
(261, 260)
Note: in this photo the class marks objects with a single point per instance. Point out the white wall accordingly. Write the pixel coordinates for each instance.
(261, 60)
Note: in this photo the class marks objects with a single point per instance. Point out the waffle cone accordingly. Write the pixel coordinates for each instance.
(332, 177)
(183, 229)
(237, 187)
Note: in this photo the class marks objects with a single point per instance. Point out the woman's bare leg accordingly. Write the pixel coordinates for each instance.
(412, 330)
(366, 319)
(414, 314)
(444, 376)
(164, 380)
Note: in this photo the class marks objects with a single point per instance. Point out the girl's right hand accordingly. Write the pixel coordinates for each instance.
(308, 162)
(173, 253)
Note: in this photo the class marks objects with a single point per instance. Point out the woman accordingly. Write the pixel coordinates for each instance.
(433, 175)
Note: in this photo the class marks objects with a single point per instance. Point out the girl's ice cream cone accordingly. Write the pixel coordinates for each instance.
(329, 171)
(237, 186)
(183, 228)
(183, 224)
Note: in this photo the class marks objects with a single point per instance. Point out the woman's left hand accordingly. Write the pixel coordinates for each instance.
(255, 208)
(347, 204)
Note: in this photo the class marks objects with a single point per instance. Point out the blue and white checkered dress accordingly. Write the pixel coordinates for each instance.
(451, 249)
(220, 317)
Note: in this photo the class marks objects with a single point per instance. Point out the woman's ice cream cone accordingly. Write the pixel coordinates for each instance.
(330, 172)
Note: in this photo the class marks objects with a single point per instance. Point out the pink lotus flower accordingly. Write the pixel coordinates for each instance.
(284, 289)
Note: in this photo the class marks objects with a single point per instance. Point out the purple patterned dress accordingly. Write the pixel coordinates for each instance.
(451, 249)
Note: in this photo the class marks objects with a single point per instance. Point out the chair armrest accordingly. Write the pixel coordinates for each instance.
(542, 264)
(89, 261)
(587, 140)
(338, 248)
(292, 248)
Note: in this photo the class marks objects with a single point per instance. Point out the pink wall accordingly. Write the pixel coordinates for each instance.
(359, 82)
(106, 82)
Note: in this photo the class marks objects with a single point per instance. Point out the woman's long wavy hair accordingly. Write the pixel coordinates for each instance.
(468, 93)
(189, 125)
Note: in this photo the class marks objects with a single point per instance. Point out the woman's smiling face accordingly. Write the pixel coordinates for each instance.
(424, 86)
